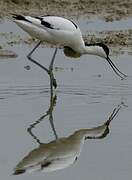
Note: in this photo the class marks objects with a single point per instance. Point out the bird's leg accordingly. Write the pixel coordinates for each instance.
(50, 70)
(105, 126)
(37, 45)
(35, 62)
(52, 125)
(52, 60)
(52, 79)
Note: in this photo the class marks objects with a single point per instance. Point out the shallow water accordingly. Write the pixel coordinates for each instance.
(87, 92)
(96, 24)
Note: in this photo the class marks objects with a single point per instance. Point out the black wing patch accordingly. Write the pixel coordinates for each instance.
(38, 17)
(20, 17)
(19, 171)
(74, 24)
(46, 24)
(46, 164)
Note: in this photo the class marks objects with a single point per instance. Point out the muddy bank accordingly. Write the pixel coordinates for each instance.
(5, 54)
(118, 41)
(111, 38)
(108, 10)
(121, 38)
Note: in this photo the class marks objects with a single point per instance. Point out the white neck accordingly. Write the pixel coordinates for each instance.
(93, 132)
(94, 50)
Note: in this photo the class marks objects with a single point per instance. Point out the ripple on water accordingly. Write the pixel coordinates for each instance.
(15, 91)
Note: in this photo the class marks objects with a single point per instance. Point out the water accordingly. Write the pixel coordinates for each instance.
(95, 24)
(87, 92)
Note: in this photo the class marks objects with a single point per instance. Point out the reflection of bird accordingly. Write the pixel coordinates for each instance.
(62, 152)
(64, 32)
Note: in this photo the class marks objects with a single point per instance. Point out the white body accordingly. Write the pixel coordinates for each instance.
(64, 32)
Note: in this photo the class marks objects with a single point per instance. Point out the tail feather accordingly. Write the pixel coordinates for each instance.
(20, 17)
(19, 171)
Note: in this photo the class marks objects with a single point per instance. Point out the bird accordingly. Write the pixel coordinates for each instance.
(62, 152)
(65, 33)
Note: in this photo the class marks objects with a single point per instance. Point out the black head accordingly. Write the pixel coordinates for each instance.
(106, 50)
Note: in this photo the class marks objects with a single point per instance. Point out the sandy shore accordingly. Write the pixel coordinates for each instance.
(108, 10)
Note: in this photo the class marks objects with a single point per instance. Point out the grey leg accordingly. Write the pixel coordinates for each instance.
(52, 60)
(52, 79)
(35, 62)
(37, 45)
(50, 70)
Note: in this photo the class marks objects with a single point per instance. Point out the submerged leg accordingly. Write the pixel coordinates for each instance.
(52, 79)
(52, 60)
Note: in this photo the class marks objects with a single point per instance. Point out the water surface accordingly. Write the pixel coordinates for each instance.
(87, 92)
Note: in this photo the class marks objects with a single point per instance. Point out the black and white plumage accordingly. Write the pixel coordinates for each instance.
(63, 32)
